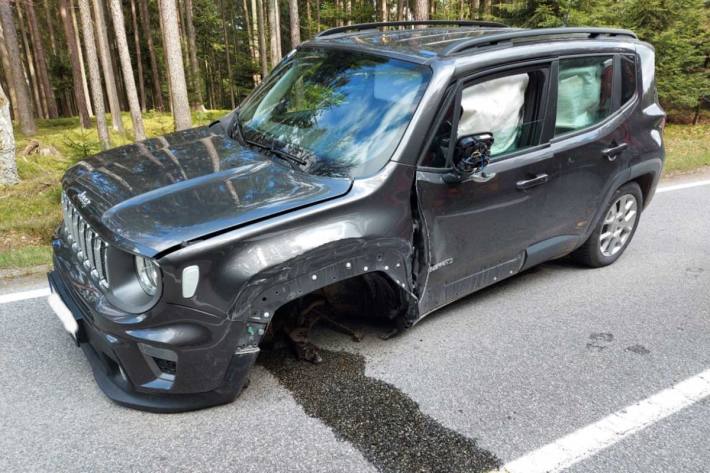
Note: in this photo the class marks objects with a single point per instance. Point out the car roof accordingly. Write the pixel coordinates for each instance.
(428, 40)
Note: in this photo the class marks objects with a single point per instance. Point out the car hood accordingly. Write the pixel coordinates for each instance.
(156, 194)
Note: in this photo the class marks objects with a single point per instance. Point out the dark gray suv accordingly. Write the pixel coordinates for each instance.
(388, 169)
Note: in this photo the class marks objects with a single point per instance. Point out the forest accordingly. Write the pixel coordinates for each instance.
(78, 76)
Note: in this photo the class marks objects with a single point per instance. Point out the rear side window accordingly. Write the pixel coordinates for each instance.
(584, 92)
(628, 78)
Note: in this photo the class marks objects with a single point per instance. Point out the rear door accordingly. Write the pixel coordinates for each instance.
(476, 232)
(594, 96)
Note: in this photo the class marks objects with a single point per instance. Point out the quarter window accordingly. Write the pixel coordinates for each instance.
(584, 92)
(628, 78)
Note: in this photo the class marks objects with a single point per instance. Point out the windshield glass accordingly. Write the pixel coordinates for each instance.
(336, 113)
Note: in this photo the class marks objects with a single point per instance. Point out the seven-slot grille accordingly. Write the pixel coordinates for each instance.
(89, 248)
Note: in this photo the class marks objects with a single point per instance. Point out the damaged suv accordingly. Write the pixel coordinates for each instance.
(387, 168)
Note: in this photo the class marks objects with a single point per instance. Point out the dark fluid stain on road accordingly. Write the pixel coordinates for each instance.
(599, 340)
(378, 419)
(638, 349)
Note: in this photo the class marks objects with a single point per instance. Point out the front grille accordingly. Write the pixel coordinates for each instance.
(88, 247)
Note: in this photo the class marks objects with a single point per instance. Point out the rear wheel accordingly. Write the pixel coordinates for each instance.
(615, 230)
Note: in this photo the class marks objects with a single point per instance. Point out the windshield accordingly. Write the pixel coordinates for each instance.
(335, 113)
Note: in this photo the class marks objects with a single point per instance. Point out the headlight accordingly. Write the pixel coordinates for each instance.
(148, 275)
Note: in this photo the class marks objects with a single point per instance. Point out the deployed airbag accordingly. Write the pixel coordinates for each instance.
(578, 96)
(495, 106)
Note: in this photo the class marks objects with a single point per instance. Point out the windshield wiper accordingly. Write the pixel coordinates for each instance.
(281, 153)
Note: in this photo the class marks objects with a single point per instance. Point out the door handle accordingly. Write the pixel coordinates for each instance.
(614, 151)
(535, 181)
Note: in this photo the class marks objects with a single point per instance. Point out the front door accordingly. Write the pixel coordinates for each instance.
(475, 233)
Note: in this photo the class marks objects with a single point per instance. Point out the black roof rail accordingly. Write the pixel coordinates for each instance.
(371, 26)
(495, 38)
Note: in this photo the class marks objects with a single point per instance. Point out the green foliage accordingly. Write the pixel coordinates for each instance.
(81, 144)
(678, 29)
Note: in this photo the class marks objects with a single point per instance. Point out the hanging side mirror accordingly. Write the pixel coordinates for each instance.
(471, 156)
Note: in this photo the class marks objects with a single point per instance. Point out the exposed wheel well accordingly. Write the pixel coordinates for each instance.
(645, 181)
(369, 295)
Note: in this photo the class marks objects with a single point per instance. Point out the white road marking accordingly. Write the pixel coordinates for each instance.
(590, 440)
(21, 296)
(686, 185)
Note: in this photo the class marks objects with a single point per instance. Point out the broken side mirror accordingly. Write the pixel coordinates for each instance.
(471, 156)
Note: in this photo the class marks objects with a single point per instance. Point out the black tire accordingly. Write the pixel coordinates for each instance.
(590, 253)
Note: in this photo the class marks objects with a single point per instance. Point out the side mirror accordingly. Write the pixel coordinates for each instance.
(471, 156)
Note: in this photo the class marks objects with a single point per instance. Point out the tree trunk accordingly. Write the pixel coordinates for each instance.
(349, 12)
(475, 5)
(107, 66)
(84, 81)
(294, 22)
(486, 7)
(70, 35)
(382, 10)
(253, 47)
(421, 10)
(40, 105)
(145, 23)
(274, 35)
(262, 37)
(42, 70)
(92, 61)
(50, 26)
(139, 55)
(400, 10)
(230, 76)
(176, 70)
(8, 165)
(8, 74)
(24, 105)
(125, 58)
(309, 20)
(195, 66)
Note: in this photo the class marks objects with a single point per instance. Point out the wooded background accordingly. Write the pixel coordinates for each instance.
(90, 57)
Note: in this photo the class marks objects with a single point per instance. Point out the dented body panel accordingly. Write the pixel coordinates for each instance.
(262, 234)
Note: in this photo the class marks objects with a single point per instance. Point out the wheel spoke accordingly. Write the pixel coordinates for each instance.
(618, 225)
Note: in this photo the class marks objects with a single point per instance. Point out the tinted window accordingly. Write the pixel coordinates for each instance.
(584, 92)
(628, 78)
(342, 112)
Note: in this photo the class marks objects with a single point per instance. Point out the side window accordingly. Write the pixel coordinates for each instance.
(628, 78)
(508, 107)
(584, 92)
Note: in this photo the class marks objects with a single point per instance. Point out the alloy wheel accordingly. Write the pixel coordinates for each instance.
(618, 225)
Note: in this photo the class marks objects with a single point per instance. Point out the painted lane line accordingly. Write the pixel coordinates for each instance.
(590, 440)
(21, 296)
(678, 187)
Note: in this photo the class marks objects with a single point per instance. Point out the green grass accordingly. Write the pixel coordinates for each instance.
(29, 211)
(687, 147)
(25, 257)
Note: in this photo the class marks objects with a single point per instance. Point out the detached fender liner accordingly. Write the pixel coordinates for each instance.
(116, 387)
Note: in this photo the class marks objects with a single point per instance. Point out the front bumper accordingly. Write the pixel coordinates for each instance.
(115, 356)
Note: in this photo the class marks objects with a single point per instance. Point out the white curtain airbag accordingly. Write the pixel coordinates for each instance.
(494, 106)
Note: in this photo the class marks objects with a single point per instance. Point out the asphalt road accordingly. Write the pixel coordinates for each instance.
(485, 381)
